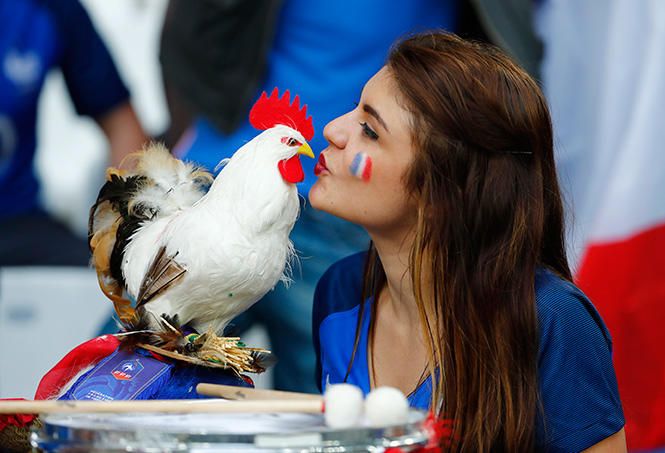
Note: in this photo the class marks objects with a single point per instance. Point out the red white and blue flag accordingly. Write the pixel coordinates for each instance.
(361, 166)
(604, 75)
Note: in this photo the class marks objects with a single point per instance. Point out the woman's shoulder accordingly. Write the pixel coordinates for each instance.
(335, 312)
(564, 309)
(577, 383)
(350, 267)
(340, 287)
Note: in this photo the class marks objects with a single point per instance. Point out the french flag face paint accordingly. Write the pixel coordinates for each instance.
(361, 167)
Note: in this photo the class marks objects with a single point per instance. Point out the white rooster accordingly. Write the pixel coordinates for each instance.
(201, 257)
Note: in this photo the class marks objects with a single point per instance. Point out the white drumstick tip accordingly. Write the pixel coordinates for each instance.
(343, 405)
(386, 406)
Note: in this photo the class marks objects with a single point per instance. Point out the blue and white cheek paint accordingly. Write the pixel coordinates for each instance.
(361, 166)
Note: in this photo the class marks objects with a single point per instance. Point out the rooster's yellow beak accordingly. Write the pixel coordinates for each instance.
(306, 150)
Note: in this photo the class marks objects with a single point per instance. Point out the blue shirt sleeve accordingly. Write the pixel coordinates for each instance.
(91, 77)
(579, 394)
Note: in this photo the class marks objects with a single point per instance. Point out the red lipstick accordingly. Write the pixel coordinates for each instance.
(320, 166)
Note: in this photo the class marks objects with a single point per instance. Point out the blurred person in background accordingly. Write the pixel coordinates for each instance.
(217, 57)
(35, 37)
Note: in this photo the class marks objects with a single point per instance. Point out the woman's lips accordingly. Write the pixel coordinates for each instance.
(320, 166)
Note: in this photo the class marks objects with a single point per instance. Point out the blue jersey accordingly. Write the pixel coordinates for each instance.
(577, 383)
(325, 52)
(36, 36)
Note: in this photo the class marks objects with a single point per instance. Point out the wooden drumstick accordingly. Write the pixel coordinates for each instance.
(314, 406)
(246, 393)
(342, 405)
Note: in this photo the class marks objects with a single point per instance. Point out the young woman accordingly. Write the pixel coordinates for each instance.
(464, 300)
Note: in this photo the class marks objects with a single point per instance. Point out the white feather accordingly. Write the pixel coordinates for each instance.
(175, 184)
(233, 242)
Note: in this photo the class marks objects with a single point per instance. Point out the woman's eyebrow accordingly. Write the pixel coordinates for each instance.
(372, 111)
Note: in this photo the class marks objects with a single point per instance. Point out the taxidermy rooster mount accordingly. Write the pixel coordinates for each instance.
(193, 251)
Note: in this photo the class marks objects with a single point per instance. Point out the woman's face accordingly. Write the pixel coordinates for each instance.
(360, 173)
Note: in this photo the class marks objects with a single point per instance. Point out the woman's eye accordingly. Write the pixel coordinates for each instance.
(369, 132)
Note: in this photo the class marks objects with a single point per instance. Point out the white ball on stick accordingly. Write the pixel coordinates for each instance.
(343, 405)
(386, 406)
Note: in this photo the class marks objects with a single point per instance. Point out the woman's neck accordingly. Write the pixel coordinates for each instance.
(396, 337)
(394, 253)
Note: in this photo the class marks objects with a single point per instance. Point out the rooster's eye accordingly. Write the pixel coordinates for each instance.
(290, 141)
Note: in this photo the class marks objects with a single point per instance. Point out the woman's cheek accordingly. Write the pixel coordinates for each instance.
(361, 166)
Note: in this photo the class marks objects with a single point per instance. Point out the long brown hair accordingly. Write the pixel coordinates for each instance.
(489, 213)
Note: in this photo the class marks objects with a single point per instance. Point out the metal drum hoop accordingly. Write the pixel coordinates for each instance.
(149, 433)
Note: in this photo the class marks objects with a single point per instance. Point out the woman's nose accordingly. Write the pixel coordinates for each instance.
(336, 132)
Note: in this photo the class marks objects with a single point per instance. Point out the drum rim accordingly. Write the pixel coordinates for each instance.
(53, 436)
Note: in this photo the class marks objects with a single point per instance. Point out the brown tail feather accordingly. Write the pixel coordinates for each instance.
(123, 307)
(163, 272)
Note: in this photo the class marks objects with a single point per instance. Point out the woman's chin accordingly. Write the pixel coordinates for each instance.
(317, 197)
(320, 198)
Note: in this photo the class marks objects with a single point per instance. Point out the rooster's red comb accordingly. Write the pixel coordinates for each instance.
(271, 111)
